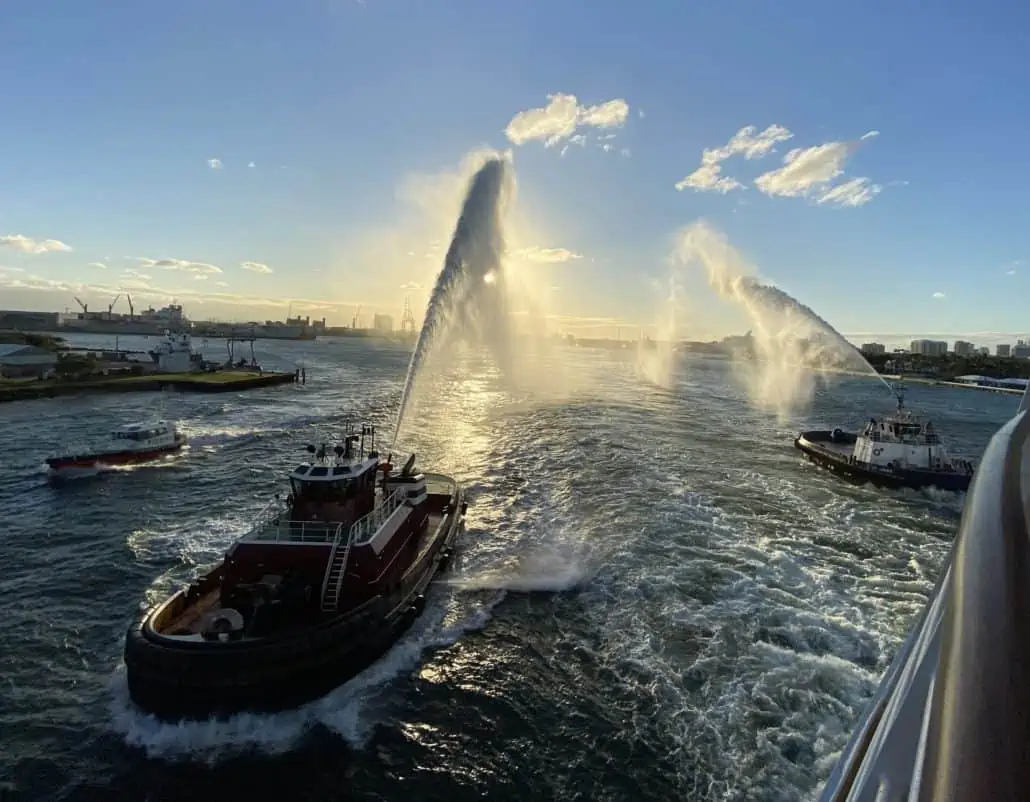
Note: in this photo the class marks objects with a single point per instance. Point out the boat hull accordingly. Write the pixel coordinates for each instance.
(176, 679)
(820, 447)
(112, 458)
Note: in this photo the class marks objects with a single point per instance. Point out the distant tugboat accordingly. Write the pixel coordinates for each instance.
(897, 451)
(321, 587)
(134, 443)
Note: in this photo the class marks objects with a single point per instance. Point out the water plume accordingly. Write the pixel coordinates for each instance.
(789, 346)
(656, 359)
(468, 300)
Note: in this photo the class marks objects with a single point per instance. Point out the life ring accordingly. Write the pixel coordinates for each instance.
(877, 452)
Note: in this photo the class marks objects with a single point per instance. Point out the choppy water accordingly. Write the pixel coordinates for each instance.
(659, 599)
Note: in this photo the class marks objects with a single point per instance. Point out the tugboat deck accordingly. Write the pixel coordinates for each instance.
(189, 623)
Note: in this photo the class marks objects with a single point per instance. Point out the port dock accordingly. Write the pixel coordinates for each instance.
(223, 381)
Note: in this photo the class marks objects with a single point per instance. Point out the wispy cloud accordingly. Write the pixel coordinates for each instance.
(809, 172)
(23, 244)
(179, 264)
(939, 295)
(214, 164)
(97, 265)
(251, 165)
(749, 142)
(130, 273)
(806, 172)
(563, 115)
(411, 285)
(256, 267)
(141, 289)
(4, 269)
(548, 255)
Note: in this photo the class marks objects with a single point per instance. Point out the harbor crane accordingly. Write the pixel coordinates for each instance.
(132, 309)
(85, 307)
(110, 306)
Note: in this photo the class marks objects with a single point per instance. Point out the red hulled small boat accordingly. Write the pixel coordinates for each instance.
(136, 442)
(318, 590)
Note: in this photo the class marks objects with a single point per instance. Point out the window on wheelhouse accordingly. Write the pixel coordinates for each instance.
(338, 490)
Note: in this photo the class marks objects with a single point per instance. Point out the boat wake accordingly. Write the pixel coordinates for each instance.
(545, 571)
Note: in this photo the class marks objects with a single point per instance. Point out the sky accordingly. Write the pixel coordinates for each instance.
(253, 157)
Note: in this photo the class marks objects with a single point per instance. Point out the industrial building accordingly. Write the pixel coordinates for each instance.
(25, 361)
(873, 348)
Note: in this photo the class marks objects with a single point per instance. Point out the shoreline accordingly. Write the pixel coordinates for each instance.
(218, 382)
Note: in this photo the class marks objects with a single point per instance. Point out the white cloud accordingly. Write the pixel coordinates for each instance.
(256, 267)
(221, 283)
(855, 192)
(625, 152)
(411, 285)
(200, 277)
(938, 295)
(749, 142)
(708, 178)
(23, 244)
(561, 117)
(180, 264)
(130, 273)
(548, 255)
(214, 164)
(806, 172)
(97, 265)
(251, 164)
(809, 172)
(11, 269)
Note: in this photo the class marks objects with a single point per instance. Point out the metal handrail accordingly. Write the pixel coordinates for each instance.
(329, 565)
(273, 527)
(363, 529)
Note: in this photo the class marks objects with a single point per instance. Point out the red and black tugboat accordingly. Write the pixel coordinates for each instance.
(318, 590)
(127, 445)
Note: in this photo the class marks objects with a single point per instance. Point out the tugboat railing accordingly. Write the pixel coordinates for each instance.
(273, 526)
(365, 527)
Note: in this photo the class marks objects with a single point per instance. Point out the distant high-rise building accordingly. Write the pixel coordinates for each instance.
(873, 348)
(1003, 349)
(382, 323)
(929, 347)
(963, 348)
(983, 350)
(1021, 349)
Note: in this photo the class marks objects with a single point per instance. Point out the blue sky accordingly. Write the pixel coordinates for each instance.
(114, 111)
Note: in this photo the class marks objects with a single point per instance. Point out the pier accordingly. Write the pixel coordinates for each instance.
(225, 381)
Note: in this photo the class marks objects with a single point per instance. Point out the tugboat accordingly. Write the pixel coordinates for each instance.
(897, 451)
(321, 587)
(134, 443)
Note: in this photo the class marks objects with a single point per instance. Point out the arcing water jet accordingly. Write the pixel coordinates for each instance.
(470, 289)
(788, 336)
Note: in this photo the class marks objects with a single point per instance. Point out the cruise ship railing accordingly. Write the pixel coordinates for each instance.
(951, 719)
